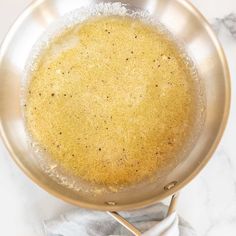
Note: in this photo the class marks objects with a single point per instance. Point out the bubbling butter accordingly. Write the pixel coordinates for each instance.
(112, 100)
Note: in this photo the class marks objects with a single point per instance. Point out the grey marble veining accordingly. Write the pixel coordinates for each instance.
(228, 22)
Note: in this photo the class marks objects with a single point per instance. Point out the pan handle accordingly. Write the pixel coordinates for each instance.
(132, 228)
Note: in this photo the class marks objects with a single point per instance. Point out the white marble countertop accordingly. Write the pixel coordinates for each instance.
(208, 202)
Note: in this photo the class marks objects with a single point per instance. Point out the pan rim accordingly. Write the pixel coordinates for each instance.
(27, 11)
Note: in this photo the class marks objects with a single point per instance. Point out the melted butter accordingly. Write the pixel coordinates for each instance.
(111, 100)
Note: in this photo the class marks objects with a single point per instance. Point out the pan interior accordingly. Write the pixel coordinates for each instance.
(110, 96)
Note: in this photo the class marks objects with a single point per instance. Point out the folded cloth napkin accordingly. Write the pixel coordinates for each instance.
(150, 221)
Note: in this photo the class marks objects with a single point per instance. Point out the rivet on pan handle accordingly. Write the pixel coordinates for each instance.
(132, 228)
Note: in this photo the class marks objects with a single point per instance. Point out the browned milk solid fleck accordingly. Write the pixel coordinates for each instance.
(111, 100)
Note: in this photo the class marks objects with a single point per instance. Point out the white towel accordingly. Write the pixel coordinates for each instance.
(150, 221)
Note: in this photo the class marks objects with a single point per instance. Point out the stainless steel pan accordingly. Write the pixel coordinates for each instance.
(186, 24)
